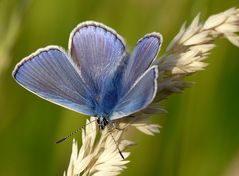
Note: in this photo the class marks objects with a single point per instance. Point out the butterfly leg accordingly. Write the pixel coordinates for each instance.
(115, 126)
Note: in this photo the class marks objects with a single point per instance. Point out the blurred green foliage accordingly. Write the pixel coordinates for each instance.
(200, 134)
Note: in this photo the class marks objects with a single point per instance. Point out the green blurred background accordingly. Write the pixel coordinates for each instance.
(200, 134)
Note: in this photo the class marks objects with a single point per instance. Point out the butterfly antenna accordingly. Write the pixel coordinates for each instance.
(74, 132)
(117, 146)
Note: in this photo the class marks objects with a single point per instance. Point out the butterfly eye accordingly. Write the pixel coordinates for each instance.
(105, 121)
(98, 120)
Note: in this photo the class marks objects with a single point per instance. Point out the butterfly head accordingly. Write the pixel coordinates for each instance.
(102, 122)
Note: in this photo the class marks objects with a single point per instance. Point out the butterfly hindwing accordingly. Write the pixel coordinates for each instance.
(96, 50)
(139, 96)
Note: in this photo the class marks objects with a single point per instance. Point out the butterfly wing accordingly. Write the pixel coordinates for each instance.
(139, 82)
(49, 74)
(139, 96)
(143, 55)
(96, 50)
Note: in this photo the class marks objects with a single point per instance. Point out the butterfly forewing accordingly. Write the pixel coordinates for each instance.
(49, 74)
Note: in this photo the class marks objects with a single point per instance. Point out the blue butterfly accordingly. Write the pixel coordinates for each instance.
(97, 77)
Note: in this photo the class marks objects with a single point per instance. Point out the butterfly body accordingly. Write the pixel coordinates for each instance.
(102, 122)
(98, 77)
